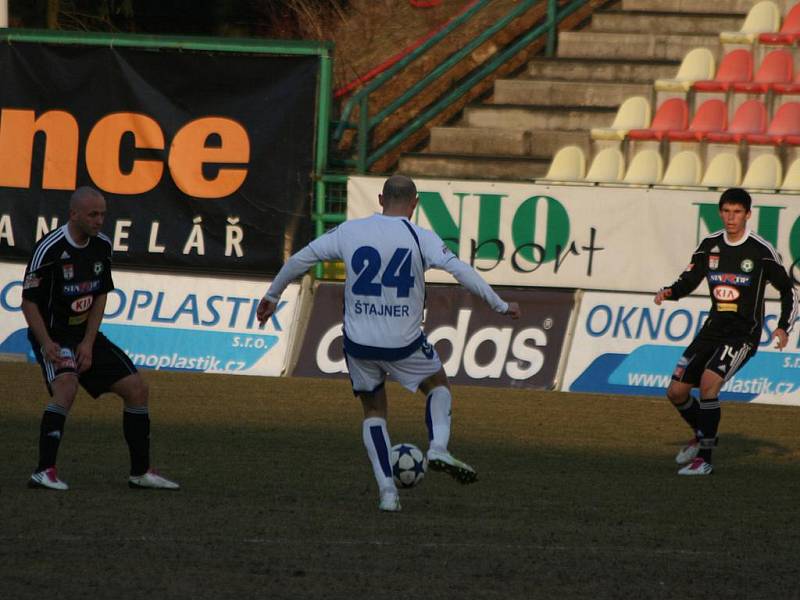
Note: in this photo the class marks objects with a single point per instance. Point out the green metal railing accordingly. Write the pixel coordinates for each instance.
(366, 156)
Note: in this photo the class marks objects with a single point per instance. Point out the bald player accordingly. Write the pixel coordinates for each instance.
(386, 256)
(63, 298)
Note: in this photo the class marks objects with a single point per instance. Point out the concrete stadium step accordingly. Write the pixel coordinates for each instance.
(480, 140)
(597, 44)
(450, 166)
(651, 21)
(504, 142)
(559, 93)
(588, 69)
(509, 116)
(715, 6)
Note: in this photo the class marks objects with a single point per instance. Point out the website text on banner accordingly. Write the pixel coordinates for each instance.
(625, 344)
(477, 346)
(203, 157)
(617, 239)
(175, 323)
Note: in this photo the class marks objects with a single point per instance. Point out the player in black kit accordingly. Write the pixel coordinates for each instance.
(63, 299)
(737, 264)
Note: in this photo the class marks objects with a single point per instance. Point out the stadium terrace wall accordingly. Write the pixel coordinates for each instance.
(477, 346)
(204, 150)
(599, 238)
(176, 323)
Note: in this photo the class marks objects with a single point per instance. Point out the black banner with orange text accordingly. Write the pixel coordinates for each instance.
(204, 158)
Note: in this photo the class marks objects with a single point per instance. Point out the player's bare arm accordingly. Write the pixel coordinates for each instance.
(33, 317)
(83, 351)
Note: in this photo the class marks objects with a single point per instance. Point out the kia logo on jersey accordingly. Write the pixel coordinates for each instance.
(726, 293)
(82, 304)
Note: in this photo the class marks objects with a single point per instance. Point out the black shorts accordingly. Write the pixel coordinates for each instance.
(109, 365)
(722, 358)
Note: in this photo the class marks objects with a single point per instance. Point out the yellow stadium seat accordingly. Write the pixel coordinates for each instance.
(607, 167)
(764, 17)
(684, 169)
(646, 168)
(569, 164)
(634, 113)
(791, 183)
(697, 65)
(724, 170)
(765, 172)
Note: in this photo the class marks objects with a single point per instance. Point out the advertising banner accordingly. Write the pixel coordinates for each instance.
(625, 344)
(477, 345)
(204, 157)
(601, 238)
(175, 323)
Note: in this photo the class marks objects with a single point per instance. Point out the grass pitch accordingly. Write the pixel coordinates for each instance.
(577, 498)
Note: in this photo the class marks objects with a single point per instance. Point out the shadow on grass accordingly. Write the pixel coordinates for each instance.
(737, 446)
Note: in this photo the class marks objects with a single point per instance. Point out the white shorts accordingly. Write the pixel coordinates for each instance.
(368, 375)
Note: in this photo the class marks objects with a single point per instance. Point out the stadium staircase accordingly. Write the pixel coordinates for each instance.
(554, 102)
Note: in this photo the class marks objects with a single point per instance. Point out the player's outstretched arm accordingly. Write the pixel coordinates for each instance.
(661, 295)
(323, 248)
(469, 278)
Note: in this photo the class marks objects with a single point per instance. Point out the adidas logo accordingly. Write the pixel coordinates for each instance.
(55, 434)
(64, 255)
(715, 249)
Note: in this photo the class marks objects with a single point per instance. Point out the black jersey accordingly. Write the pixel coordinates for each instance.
(737, 274)
(63, 279)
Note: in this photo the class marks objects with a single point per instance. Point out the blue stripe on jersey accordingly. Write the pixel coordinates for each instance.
(375, 353)
(376, 431)
(416, 239)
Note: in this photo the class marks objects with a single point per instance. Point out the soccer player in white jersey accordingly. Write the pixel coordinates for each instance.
(386, 256)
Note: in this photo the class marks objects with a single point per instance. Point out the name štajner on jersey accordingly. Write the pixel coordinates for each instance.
(371, 309)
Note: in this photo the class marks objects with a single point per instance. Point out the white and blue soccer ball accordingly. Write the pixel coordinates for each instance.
(408, 465)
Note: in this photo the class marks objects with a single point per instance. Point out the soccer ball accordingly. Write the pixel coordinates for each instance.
(408, 465)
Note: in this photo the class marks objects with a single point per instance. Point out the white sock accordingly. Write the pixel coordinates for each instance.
(376, 441)
(437, 417)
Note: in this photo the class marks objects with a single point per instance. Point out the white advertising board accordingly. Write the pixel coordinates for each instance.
(600, 238)
(175, 322)
(625, 344)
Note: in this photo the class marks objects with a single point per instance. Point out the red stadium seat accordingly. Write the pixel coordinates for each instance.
(736, 66)
(789, 33)
(777, 67)
(671, 115)
(750, 117)
(712, 115)
(788, 88)
(785, 123)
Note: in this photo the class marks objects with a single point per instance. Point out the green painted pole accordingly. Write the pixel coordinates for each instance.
(552, 27)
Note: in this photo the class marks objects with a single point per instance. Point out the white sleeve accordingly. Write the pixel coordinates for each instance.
(438, 256)
(466, 276)
(325, 247)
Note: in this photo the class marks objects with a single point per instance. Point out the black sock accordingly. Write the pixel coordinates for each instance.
(136, 426)
(51, 431)
(688, 410)
(707, 426)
